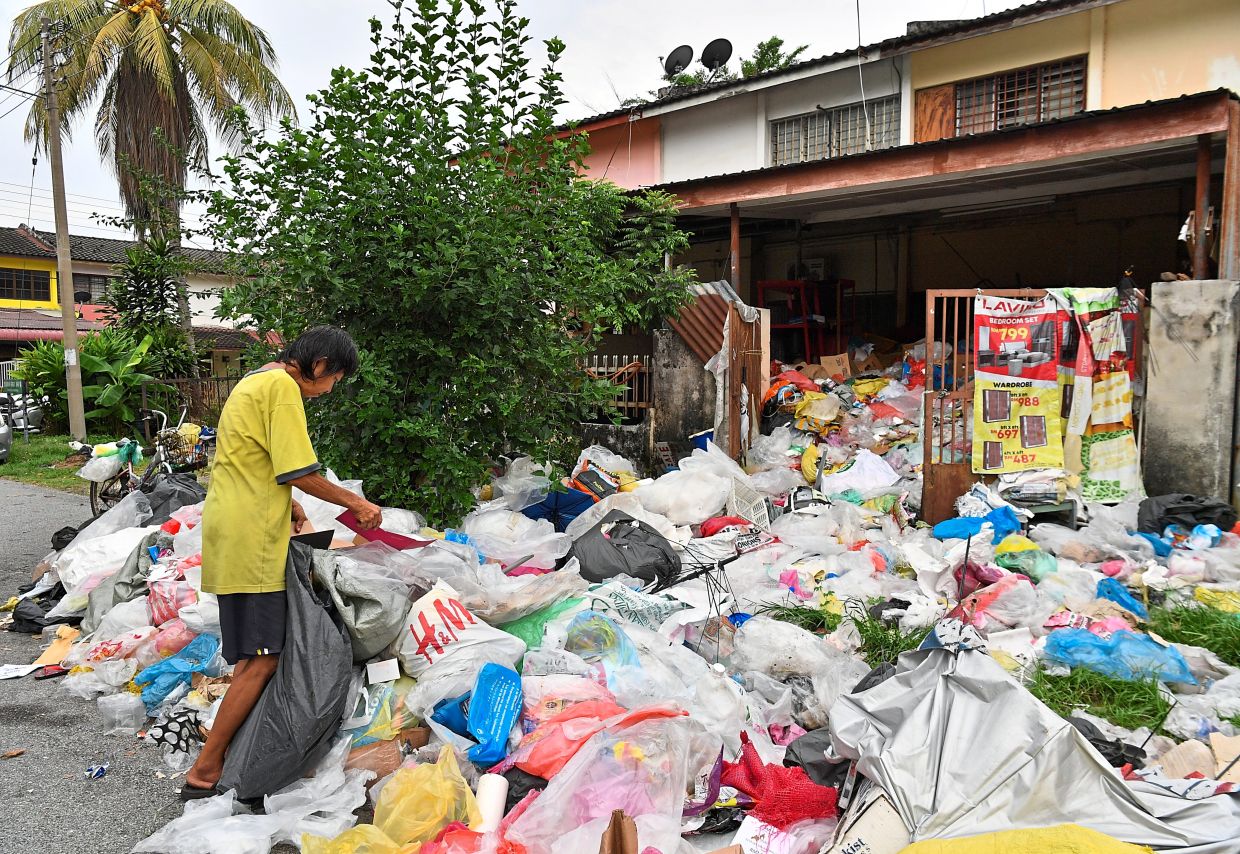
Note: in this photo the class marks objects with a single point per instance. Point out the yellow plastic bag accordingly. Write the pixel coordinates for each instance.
(418, 802)
(809, 464)
(363, 839)
(1061, 839)
(1220, 600)
(1013, 543)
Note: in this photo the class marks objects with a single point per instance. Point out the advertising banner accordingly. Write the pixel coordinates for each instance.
(1017, 422)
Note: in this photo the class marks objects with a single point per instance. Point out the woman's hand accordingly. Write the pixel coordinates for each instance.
(299, 517)
(369, 516)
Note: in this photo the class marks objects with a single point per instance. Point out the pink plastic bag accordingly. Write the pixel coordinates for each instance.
(173, 637)
(168, 598)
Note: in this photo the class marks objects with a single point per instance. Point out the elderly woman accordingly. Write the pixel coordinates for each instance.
(263, 451)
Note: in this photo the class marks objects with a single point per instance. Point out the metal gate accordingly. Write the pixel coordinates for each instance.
(947, 421)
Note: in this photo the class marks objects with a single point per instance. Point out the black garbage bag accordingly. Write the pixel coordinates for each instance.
(809, 752)
(292, 725)
(621, 544)
(1156, 513)
(1117, 753)
(173, 492)
(28, 618)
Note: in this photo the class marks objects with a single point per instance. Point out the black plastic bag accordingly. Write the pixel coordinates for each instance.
(295, 720)
(1156, 513)
(173, 492)
(621, 544)
(809, 752)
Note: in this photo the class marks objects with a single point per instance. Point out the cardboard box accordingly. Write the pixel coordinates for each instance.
(814, 372)
(382, 757)
(870, 826)
(837, 366)
(414, 737)
(870, 364)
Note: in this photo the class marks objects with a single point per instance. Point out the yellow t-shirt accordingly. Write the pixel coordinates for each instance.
(262, 445)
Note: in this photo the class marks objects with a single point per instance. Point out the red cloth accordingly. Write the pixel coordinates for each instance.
(782, 796)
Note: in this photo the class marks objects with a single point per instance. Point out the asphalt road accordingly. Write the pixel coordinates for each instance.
(47, 806)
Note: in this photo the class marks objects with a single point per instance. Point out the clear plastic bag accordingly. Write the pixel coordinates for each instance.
(641, 769)
(122, 714)
(770, 451)
(509, 538)
(523, 485)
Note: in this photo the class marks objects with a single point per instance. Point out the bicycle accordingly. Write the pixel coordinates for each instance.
(172, 454)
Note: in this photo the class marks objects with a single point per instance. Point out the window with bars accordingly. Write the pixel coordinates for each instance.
(97, 285)
(823, 134)
(1038, 93)
(25, 285)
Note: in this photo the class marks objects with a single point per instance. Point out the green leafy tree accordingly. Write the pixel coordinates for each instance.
(431, 209)
(145, 298)
(770, 56)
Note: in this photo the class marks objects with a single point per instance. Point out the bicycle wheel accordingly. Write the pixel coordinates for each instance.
(104, 496)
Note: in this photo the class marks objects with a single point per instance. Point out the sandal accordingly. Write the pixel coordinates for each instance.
(189, 792)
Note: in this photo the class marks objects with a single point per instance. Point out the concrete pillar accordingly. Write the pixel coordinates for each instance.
(1190, 408)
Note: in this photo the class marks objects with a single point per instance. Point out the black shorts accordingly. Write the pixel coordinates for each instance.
(252, 624)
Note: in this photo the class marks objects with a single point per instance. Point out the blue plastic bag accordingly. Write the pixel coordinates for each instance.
(595, 638)
(1002, 519)
(487, 714)
(1109, 588)
(1124, 655)
(493, 711)
(163, 677)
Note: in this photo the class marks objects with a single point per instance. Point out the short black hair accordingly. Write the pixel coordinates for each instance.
(322, 342)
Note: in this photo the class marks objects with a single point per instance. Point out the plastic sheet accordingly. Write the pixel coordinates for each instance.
(161, 679)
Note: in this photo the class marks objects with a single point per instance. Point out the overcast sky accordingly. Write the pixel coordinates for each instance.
(613, 48)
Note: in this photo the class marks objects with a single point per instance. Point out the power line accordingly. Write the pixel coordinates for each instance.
(15, 107)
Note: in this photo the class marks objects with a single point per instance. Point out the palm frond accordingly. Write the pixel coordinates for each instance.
(153, 53)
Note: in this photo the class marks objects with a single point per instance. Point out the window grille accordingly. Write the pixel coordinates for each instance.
(96, 284)
(1038, 93)
(26, 285)
(823, 134)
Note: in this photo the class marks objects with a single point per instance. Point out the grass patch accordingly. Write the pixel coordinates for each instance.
(881, 642)
(1131, 705)
(1200, 626)
(43, 462)
(810, 619)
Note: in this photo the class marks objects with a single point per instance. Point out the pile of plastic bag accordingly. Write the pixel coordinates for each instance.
(717, 655)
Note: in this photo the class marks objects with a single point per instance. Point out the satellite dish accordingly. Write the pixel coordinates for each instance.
(678, 60)
(717, 54)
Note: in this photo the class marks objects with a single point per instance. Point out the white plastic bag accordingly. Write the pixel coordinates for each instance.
(686, 497)
(99, 469)
(439, 627)
(509, 537)
(124, 617)
(627, 502)
(203, 617)
(868, 471)
(771, 451)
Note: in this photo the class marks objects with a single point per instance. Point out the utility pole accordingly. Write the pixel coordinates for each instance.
(64, 260)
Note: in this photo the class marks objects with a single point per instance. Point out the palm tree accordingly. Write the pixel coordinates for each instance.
(168, 72)
(162, 67)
